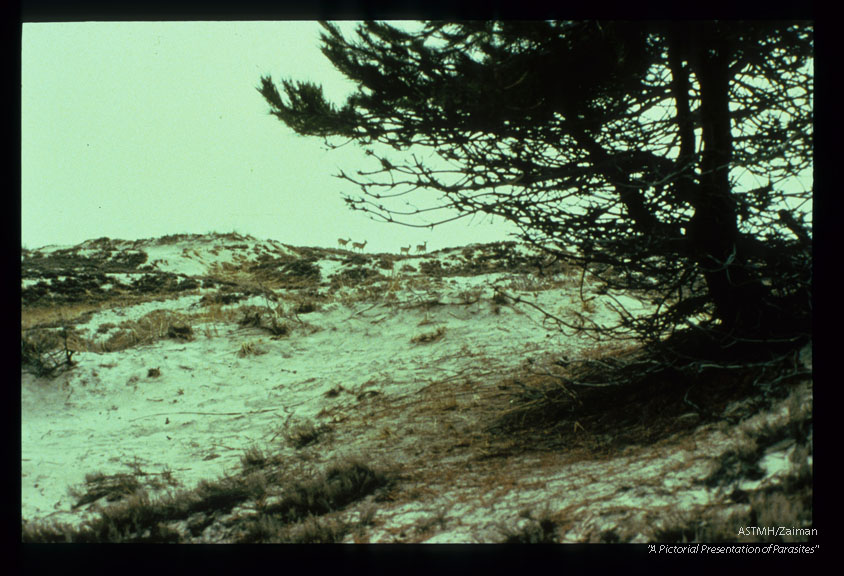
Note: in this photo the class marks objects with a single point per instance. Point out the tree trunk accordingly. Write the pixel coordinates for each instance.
(737, 293)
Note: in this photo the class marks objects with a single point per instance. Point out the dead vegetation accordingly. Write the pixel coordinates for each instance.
(588, 401)
(265, 503)
(304, 434)
(428, 337)
(119, 486)
(48, 352)
(152, 327)
(253, 348)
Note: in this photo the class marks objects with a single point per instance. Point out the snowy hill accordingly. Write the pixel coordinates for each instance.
(231, 389)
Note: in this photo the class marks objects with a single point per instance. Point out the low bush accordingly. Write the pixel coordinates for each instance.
(47, 352)
(265, 318)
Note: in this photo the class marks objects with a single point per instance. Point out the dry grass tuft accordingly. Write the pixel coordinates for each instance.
(428, 337)
(253, 458)
(305, 434)
(253, 348)
(157, 325)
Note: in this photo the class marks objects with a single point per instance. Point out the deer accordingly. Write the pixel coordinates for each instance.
(405, 249)
(359, 246)
(341, 242)
(422, 247)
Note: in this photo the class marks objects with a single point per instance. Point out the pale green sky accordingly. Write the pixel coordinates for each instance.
(141, 129)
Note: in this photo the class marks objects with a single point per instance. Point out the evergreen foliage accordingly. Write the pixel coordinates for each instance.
(670, 158)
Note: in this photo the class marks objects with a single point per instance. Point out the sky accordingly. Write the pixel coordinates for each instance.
(142, 129)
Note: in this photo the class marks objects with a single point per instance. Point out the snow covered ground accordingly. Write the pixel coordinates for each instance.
(400, 367)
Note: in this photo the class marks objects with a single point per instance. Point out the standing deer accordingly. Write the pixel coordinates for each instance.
(422, 247)
(341, 242)
(359, 246)
(405, 249)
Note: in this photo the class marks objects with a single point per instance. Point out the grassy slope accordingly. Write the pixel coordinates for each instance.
(295, 394)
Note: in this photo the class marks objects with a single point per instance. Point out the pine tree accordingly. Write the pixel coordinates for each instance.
(668, 158)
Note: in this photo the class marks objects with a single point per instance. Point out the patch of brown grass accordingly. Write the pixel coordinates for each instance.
(428, 337)
(251, 349)
(304, 434)
(58, 315)
(157, 325)
(619, 399)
